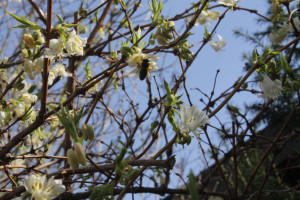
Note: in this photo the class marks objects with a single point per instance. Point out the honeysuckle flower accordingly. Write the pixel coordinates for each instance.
(41, 189)
(229, 3)
(33, 68)
(214, 15)
(2, 119)
(57, 70)
(29, 98)
(271, 89)
(102, 32)
(75, 44)
(217, 46)
(205, 16)
(278, 36)
(136, 59)
(56, 49)
(60, 70)
(20, 109)
(191, 119)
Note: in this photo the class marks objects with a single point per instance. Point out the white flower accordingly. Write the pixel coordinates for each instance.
(278, 36)
(217, 46)
(60, 70)
(56, 49)
(214, 15)
(205, 16)
(102, 32)
(29, 98)
(2, 119)
(136, 59)
(57, 70)
(75, 44)
(229, 3)
(42, 189)
(191, 119)
(33, 68)
(20, 109)
(271, 89)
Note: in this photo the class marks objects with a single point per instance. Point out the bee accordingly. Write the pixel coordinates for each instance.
(144, 69)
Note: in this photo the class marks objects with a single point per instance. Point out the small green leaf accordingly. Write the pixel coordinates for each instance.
(154, 125)
(160, 6)
(126, 51)
(167, 87)
(59, 18)
(32, 88)
(193, 187)
(286, 67)
(155, 6)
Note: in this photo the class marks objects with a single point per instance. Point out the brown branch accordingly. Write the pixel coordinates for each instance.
(39, 11)
(99, 23)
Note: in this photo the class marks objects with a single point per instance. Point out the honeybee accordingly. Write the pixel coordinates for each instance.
(144, 69)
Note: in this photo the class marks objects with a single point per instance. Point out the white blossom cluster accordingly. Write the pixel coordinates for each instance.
(74, 46)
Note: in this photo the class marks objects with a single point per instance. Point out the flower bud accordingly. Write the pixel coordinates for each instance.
(161, 40)
(167, 35)
(72, 160)
(5, 59)
(25, 53)
(82, 29)
(171, 25)
(126, 51)
(87, 131)
(29, 41)
(80, 153)
(83, 12)
(171, 100)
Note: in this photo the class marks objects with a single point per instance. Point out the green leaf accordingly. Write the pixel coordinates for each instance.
(87, 70)
(78, 117)
(193, 187)
(167, 87)
(32, 88)
(160, 6)
(120, 158)
(126, 51)
(154, 125)
(59, 18)
(26, 22)
(286, 67)
(151, 8)
(143, 45)
(101, 193)
(155, 6)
